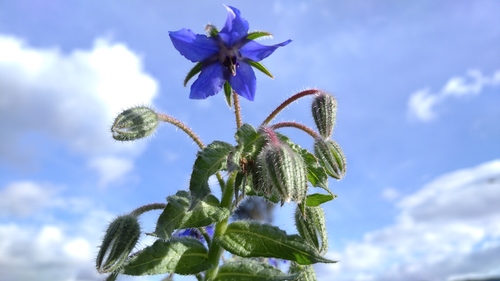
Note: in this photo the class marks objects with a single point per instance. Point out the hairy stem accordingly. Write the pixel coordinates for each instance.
(299, 126)
(146, 208)
(237, 109)
(288, 102)
(215, 252)
(182, 126)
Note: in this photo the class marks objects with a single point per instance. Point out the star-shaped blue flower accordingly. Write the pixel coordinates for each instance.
(224, 57)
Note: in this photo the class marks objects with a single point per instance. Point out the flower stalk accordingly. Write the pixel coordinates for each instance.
(287, 102)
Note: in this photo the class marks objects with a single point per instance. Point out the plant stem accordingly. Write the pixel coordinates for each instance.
(182, 126)
(237, 109)
(146, 208)
(299, 126)
(215, 252)
(287, 102)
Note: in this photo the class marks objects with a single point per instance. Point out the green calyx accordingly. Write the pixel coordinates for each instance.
(119, 241)
(134, 123)
(324, 111)
(281, 171)
(330, 156)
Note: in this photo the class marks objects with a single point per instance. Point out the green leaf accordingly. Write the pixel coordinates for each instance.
(316, 199)
(183, 255)
(177, 216)
(250, 270)
(209, 161)
(249, 140)
(260, 67)
(227, 92)
(253, 239)
(257, 34)
(306, 272)
(195, 70)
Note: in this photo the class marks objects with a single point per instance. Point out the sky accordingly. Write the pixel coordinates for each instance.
(418, 91)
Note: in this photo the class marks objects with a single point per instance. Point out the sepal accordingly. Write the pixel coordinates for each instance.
(324, 111)
(134, 123)
(120, 239)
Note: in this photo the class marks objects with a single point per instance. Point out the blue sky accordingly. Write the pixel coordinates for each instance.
(418, 87)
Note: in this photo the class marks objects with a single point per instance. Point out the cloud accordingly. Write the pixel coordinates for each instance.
(112, 169)
(37, 244)
(422, 103)
(71, 98)
(445, 231)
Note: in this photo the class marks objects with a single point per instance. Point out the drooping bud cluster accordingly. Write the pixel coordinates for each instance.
(312, 227)
(281, 171)
(119, 241)
(324, 111)
(330, 156)
(134, 123)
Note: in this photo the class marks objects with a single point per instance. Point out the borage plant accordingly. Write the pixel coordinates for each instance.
(194, 229)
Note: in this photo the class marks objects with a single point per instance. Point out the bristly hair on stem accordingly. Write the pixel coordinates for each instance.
(182, 126)
(288, 102)
(296, 125)
(237, 110)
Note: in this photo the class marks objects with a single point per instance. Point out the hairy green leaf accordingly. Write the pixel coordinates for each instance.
(250, 270)
(250, 141)
(253, 239)
(316, 199)
(176, 214)
(183, 255)
(209, 161)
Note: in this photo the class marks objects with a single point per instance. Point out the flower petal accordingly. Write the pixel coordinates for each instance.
(235, 29)
(209, 82)
(257, 52)
(244, 83)
(194, 47)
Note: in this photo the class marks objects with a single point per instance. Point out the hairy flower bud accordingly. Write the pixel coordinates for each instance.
(324, 110)
(134, 123)
(119, 241)
(281, 171)
(312, 227)
(330, 156)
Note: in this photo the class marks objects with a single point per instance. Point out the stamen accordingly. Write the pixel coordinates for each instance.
(231, 62)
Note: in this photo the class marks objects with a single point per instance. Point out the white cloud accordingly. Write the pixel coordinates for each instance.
(68, 97)
(446, 230)
(22, 199)
(422, 103)
(112, 169)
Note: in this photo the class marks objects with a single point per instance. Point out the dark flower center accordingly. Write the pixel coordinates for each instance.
(231, 62)
(229, 57)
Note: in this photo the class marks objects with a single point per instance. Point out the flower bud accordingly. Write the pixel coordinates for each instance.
(312, 227)
(281, 171)
(119, 241)
(324, 110)
(134, 123)
(330, 156)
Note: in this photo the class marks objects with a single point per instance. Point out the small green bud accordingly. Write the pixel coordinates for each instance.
(281, 171)
(330, 156)
(312, 227)
(134, 123)
(119, 241)
(306, 272)
(324, 110)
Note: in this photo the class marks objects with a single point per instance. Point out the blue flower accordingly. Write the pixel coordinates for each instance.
(226, 56)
